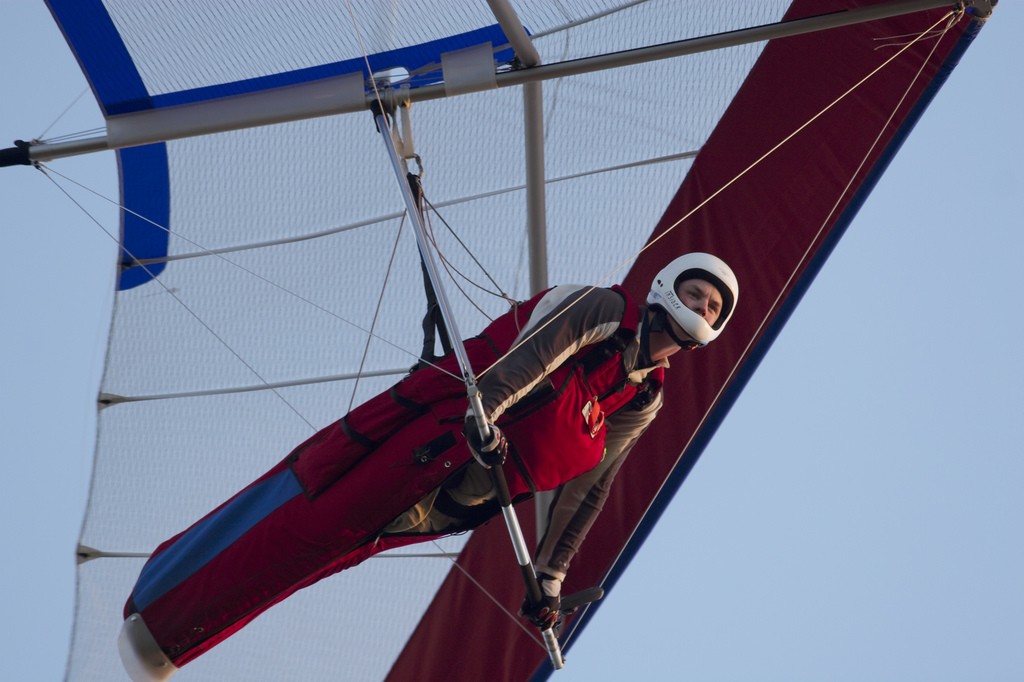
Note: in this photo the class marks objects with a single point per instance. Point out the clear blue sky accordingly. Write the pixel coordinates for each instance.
(858, 516)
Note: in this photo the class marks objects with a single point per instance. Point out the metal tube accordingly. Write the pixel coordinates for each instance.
(536, 202)
(717, 41)
(537, 233)
(518, 540)
(514, 31)
(44, 152)
(398, 165)
(529, 573)
(59, 150)
(536, 225)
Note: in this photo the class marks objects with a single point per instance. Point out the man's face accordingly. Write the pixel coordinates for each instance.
(702, 298)
(699, 296)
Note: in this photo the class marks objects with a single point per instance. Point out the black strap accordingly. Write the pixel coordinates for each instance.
(601, 352)
(411, 405)
(433, 320)
(365, 441)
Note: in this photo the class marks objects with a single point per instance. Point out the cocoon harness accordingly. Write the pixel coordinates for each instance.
(321, 509)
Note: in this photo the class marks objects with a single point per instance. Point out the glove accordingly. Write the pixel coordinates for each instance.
(491, 453)
(547, 613)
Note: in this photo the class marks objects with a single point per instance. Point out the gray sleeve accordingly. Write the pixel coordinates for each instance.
(578, 502)
(564, 321)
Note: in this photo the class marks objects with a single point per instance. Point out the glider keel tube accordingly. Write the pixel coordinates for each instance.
(344, 94)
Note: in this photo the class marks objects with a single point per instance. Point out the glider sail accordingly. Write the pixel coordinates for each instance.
(254, 259)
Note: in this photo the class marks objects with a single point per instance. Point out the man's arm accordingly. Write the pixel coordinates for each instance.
(564, 321)
(579, 501)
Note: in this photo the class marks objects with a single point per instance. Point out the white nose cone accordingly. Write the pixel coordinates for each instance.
(140, 654)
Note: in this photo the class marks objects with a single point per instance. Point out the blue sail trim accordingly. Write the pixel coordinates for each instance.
(204, 541)
(119, 87)
(102, 55)
(145, 193)
(414, 59)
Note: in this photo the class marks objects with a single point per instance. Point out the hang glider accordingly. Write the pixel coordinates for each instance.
(258, 202)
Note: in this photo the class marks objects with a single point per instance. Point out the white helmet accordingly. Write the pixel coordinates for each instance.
(695, 266)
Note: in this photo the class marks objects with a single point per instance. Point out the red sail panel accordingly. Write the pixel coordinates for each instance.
(775, 226)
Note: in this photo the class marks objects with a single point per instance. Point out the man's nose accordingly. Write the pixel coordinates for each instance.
(701, 307)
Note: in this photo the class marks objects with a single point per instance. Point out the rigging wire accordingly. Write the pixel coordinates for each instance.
(948, 18)
(80, 135)
(500, 293)
(894, 42)
(771, 151)
(220, 255)
(178, 299)
(366, 59)
(903, 98)
(452, 270)
(389, 126)
(398, 214)
(446, 263)
(476, 583)
(376, 315)
(390, 131)
(587, 19)
(61, 115)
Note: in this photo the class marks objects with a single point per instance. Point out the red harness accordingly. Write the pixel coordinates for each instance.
(321, 509)
(578, 396)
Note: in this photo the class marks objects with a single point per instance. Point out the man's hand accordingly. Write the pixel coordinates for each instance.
(545, 615)
(491, 453)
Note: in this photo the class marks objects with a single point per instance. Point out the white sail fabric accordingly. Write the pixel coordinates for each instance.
(295, 311)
